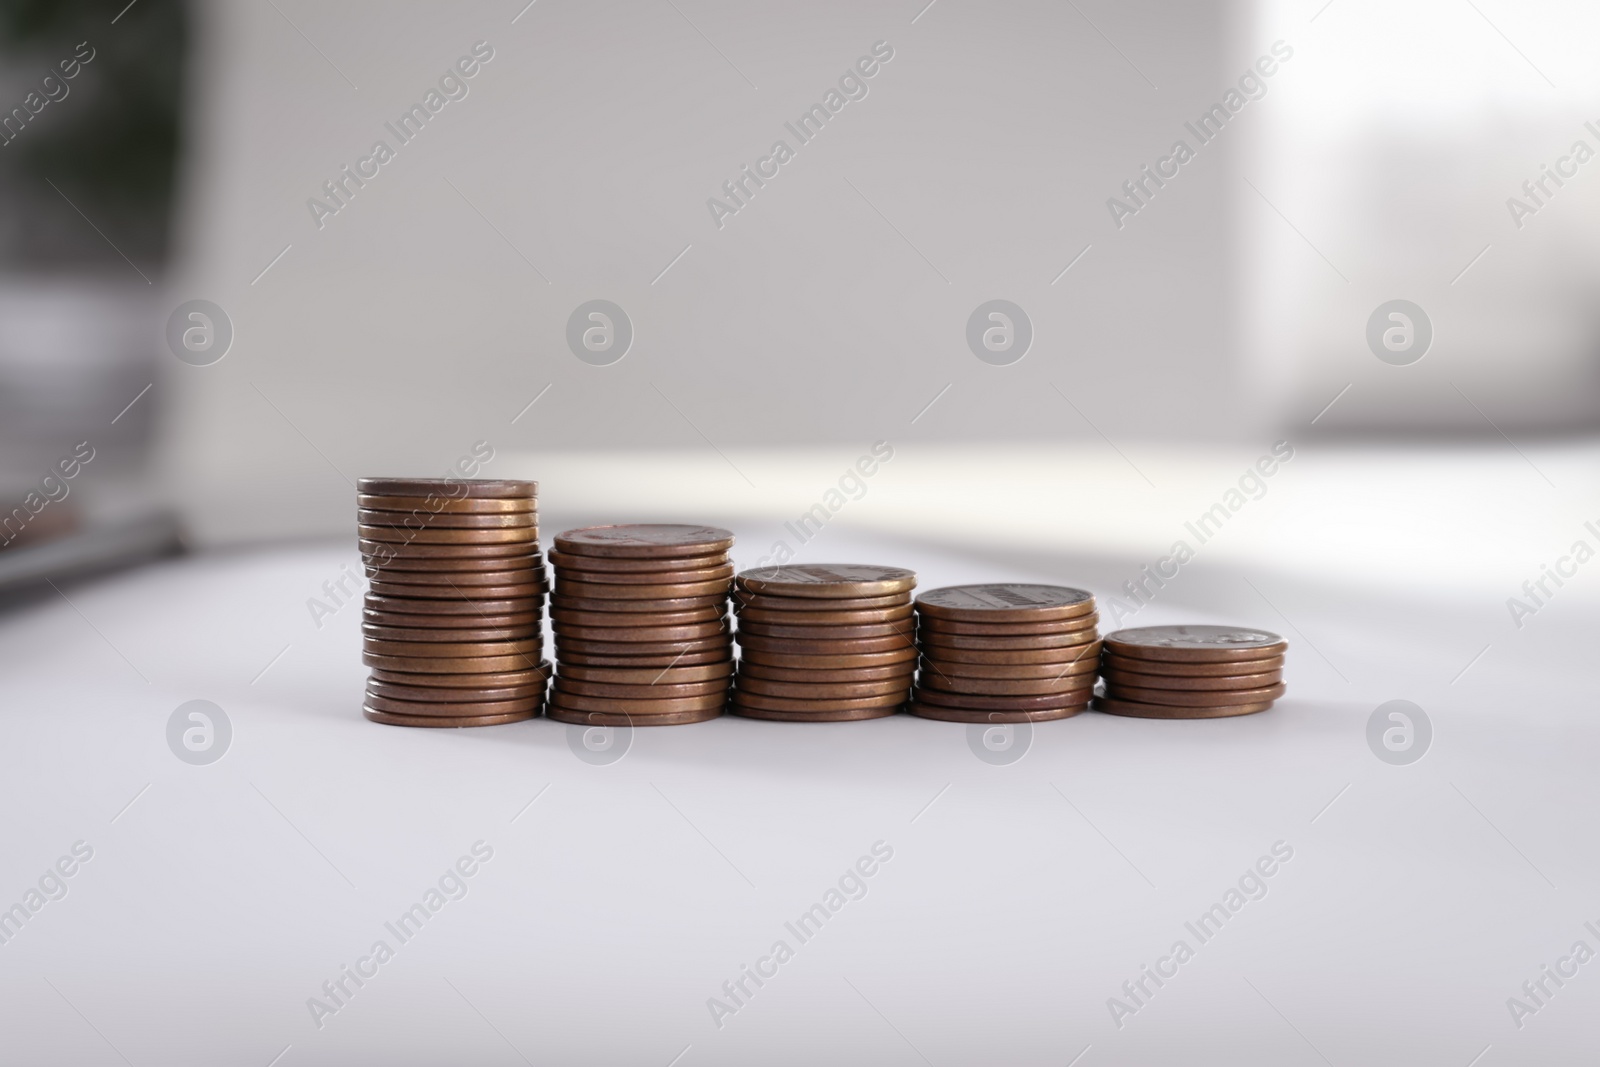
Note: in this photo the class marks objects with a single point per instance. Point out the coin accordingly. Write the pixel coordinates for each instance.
(435, 623)
(998, 718)
(461, 579)
(1006, 602)
(439, 505)
(1195, 644)
(383, 552)
(1080, 624)
(828, 580)
(449, 664)
(828, 633)
(602, 718)
(1062, 656)
(406, 605)
(1071, 683)
(410, 520)
(901, 671)
(450, 695)
(645, 540)
(1111, 661)
(446, 536)
(796, 646)
(770, 703)
(831, 662)
(1120, 678)
(654, 661)
(534, 675)
(450, 488)
(818, 604)
(1195, 698)
(638, 607)
(662, 691)
(1013, 671)
(451, 634)
(1035, 642)
(649, 675)
(1167, 711)
(657, 578)
(852, 715)
(641, 648)
(457, 649)
(973, 702)
(444, 721)
(529, 705)
(637, 706)
(630, 634)
(565, 587)
(624, 619)
(624, 565)
(398, 568)
(863, 617)
(454, 592)
(823, 690)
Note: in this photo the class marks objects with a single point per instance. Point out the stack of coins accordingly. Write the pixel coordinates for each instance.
(640, 618)
(824, 642)
(1005, 653)
(1191, 672)
(454, 602)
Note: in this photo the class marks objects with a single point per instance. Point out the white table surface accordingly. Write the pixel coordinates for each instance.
(1018, 900)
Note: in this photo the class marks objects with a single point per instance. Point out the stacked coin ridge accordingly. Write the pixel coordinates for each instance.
(641, 627)
(1191, 672)
(824, 642)
(1005, 652)
(452, 620)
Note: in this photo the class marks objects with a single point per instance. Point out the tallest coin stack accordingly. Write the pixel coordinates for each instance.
(452, 625)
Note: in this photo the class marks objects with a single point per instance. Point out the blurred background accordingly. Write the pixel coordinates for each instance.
(385, 324)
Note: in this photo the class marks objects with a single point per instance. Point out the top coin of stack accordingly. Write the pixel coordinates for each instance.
(1191, 672)
(824, 642)
(640, 618)
(1005, 653)
(451, 626)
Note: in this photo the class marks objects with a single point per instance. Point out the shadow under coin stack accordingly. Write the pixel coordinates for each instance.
(1005, 653)
(456, 587)
(640, 618)
(1191, 672)
(824, 642)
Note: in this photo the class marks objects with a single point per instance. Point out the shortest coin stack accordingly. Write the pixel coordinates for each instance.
(824, 642)
(454, 605)
(1191, 672)
(1005, 653)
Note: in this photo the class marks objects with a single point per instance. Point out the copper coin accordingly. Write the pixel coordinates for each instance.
(1137, 710)
(434, 606)
(462, 579)
(1006, 602)
(933, 641)
(371, 618)
(1119, 679)
(451, 488)
(641, 648)
(398, 568)
(1195, 644)
(853, 715)
(438, 505)
(830, 662)
(1018, 672)
(934, 624)
(450, 695)
(798, 647)
(818, 604)
(444, 721)
(450, 664)
(653, 578)
(655, 660)
(827, 633)
(974, 702)
(1000, 687)
(889, 672)
(1196, 698)
(598, 591)
(411, 520)
(452, 649)
(527, 705)
(832, 581)
(444, 536)
(638, 607)
(622, 565)
(638, 705)
(761, 701)
(646, 540)
(448, 634)
(630, 634)
(382, 552)
(997, 718)
(425, 591)
(1110, 661)
(534, 675)
(604, 718)
(866, 617)
(722, 670)
(1063, 656)
(896, 687)
(641, 692)
(624, 619)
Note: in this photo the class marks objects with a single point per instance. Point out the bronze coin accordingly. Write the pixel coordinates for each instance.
(656, 660)
(1031, 642)
(651, 578)
(1062, 656)
(761, 701)
(898, 687)
(411, 520)
(598, 591)
(452, 649)
(934, 624)
(850, 715)
(625, 620)
(866, 617)
(830, 662)
(622, 565)
(382, 552)
(585, 646)
(534, 675)
(444, 721)
(448, 634)
(450, 664)
(419, 591)
(398, 568)
(370, 618)
(450, 695)
(452, 487)
(1018, 672)
(1137, 710)
(438, 505)
(1111, 662)
(444, 536)
(529, 705)
(1196, 698)
(640, 692)
(604, 718)
(974, 702)
(630, 634)
(722, 670)
(638, 607)
(999, 687)
(1195, 644)
(1006, 602)
(638, 705)
(434, 606)
(1119, 678)
(997, 718)
(461, 579)
(799, 647)
(827, 633)
(818, 604)
(646, 540)
(831, 581)
(901, 672)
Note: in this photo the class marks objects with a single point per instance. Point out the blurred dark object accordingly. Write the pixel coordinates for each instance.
(24, 571)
